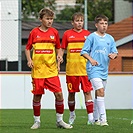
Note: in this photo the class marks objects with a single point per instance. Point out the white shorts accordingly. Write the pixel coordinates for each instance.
(98, 83)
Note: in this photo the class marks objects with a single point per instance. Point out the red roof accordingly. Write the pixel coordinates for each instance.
(121, 29)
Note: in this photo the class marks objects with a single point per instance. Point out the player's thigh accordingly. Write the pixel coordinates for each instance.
(38, 86)
(53, 84)
(73, 83)
(98, 83)
(85, 84)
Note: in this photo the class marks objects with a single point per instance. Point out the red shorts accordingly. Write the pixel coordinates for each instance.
(53, 84)
(73, 83)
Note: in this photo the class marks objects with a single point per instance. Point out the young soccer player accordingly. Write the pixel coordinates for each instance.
(45, 42)
(73, 41)
(98, 48)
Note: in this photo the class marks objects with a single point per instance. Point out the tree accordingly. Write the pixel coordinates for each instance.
(66, 14)
(30, 8)
(129, 0)
(100, 7)
(94, 7)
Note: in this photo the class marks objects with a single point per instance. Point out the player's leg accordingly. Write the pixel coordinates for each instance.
(55, 87)
(87, 88)
(36, 110)
(99, 87)
(59, 105)
(37, 91)
(71, 105)
(95, 112)
(73, 87)
(89, 107)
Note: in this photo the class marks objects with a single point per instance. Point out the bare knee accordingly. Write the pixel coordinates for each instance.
(87, 96)
(37, 98)
(58, 96)
(100, 92)
(71, 96)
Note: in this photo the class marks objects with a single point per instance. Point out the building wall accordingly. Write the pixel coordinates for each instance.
(61, 4)
(15, 92)
(125, 50)
(9, 30)
(123, 9)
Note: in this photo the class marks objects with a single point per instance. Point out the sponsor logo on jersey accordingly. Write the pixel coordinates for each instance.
(43, 51)
(75, 50)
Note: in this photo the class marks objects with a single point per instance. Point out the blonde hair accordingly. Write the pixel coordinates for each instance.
(76, 15)
(46, 12)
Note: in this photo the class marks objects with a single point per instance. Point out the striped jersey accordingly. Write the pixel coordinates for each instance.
(44, 56)
(73, 42)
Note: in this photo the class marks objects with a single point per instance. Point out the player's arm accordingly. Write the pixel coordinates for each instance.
(29, 60)
(92, 61)
(112, 55)
(59, 58)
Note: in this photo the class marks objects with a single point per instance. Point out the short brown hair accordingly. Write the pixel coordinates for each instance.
(100, 17)
(76, 15)
(46, 12)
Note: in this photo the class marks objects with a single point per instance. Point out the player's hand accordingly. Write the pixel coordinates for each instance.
(112, 55)
(30, 64)
(60, 58)
(94, 62)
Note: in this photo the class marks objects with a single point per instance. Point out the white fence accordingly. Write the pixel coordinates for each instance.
(15, 92)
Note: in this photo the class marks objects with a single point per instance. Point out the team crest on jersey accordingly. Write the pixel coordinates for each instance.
(85, 37)
(52, 37)
(37, 36)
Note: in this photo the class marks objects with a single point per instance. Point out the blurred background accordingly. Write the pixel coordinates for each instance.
(19, 17)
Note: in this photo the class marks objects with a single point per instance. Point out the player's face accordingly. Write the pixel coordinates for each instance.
(47, 21)
(78, 23)
(102, 26)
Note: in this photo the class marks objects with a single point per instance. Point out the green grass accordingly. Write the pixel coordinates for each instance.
(20, 121)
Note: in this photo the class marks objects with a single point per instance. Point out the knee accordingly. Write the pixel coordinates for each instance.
(59, 96)
(100, 92)
(37, 98)
(88, 95)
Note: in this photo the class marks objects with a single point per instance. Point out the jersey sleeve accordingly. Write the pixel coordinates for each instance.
(113, 46)
(30, 41)
(57, 46)
(64, 41)
(87, 46)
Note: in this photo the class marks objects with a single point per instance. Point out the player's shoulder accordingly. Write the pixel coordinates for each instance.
(92, 34)
(68, 31)
(109, 36)
(86, 31)
(34, 30)
(53, 29)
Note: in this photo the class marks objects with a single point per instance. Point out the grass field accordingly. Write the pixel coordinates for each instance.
(20, 120)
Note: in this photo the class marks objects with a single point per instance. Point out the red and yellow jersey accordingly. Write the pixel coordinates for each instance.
(73, 42)
(44, 56)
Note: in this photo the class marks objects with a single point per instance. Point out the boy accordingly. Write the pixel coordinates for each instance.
(46, 45)
(73, 41)
(98, 48)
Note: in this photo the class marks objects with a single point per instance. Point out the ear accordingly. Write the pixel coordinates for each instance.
(72, 22)
(40, 20)
(96, 25)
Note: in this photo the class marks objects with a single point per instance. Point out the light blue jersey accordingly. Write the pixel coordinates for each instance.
(98, 48)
